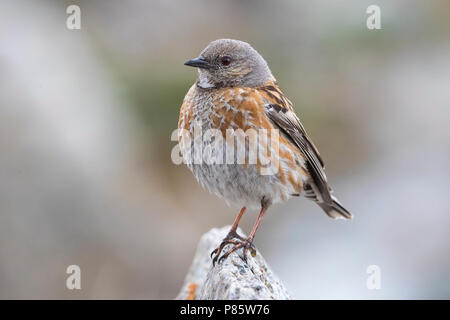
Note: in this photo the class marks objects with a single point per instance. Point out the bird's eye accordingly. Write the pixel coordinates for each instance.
(225, 61)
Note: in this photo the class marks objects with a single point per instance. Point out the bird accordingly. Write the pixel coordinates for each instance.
(235, 89)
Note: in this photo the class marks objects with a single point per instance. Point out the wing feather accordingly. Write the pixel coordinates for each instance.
(279, 110)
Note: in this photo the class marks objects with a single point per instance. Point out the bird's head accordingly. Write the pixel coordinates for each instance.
(230, 63)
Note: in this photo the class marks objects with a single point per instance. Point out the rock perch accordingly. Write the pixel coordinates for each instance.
(234, 278)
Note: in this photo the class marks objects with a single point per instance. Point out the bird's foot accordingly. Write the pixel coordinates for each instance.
(238, 242)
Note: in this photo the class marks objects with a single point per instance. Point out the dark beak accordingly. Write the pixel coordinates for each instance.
(199, 62)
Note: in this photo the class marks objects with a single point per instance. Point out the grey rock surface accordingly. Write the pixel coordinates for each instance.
(234, 278)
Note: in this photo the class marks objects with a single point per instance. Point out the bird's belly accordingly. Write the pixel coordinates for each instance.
(239, 185)
(242, 184)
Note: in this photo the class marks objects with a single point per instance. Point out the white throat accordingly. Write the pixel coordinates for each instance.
(203, 81)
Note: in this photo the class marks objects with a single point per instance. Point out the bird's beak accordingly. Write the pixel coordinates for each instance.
(199, 62)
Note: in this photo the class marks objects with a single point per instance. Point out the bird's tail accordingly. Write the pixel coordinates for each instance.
(335, 210)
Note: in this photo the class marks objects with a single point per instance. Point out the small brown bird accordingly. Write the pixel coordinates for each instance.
(236, 90)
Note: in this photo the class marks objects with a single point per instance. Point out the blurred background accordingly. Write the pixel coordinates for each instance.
(86, 116)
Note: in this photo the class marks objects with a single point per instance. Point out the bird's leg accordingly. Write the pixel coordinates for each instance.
(246, 243)
(252, 233)
(232, 234)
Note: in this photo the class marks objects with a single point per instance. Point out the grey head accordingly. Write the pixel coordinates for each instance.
(230, 63)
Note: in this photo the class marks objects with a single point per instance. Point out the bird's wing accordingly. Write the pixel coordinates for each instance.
(279, 110)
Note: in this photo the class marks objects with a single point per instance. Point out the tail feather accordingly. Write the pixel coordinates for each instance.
(335, 209)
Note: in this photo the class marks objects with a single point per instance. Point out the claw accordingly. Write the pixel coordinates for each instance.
(218, 250)
(246, 244)
(215, 260)
(226, 254)
(227, 240)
